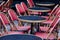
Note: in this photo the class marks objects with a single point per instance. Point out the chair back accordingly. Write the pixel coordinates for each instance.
(5, 22)
(30, 3)
(24, 6)
(54, 23)
(4, 19)
(12, 14)
(19, 9)
(54, 9)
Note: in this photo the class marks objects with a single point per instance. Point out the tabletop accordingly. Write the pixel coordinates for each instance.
(39, 9)
(34, 19)
(46, 4)
(20, 37)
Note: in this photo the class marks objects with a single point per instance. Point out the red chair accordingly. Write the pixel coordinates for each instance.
(26, 9)
(49, 35)
(24, 6)
(30, 3)
(50, 18)
(52, 12)
(19, 9)
(7, 25)
(16, 21)
(45, 28)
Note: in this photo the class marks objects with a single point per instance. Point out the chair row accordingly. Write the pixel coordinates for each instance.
(13, 24)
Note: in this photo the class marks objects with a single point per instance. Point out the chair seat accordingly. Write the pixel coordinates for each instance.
(13, 32)
(48, 22)
(22, 28)
(44, 35)
(45, 29)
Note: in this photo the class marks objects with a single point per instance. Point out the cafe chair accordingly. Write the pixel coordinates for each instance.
(51, 12)
(16, 21)
(45, 28)
(26, 9)
(7, 25)
(51, 35)
(51, 16)
(30, 3)
(20, 10)
(24, 6)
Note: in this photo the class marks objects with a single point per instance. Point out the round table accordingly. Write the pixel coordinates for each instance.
(39, 9)
(45, 4)
(20, 37)
(32, 20)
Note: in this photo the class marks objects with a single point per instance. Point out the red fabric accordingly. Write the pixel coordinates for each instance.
(24, 6)
(12, 14)
(42, 28)
(31, 3)
(22, 28)
(12, 32)
(44, 35)
(4, 19)
(48, 22)
(19, 9)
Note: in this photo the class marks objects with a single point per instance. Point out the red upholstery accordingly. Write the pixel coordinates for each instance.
(24, 6)
(22, 28)
(4, 19)
(12, 32)
(19, 9)
(12, 14)
(45, 28)
(30, 3)
(44, 35)
(47, 22)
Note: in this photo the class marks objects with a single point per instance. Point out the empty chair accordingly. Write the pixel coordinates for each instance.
(24, 6)
(16, 21)
(51, 16)
(30, 3)
(45, 28)
(52, 12)
(19, 9)
(49, 35)
(7, 25)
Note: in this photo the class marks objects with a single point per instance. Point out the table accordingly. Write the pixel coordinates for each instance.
(20, 37)
(45, 4)
(32, 20)
(39, 9)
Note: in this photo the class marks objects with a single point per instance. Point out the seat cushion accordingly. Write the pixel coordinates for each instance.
(48, 22)
(44, 35)
(21, 28)
(45, 29)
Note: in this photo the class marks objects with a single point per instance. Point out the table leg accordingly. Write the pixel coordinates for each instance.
(38, 29)
(32, 25)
